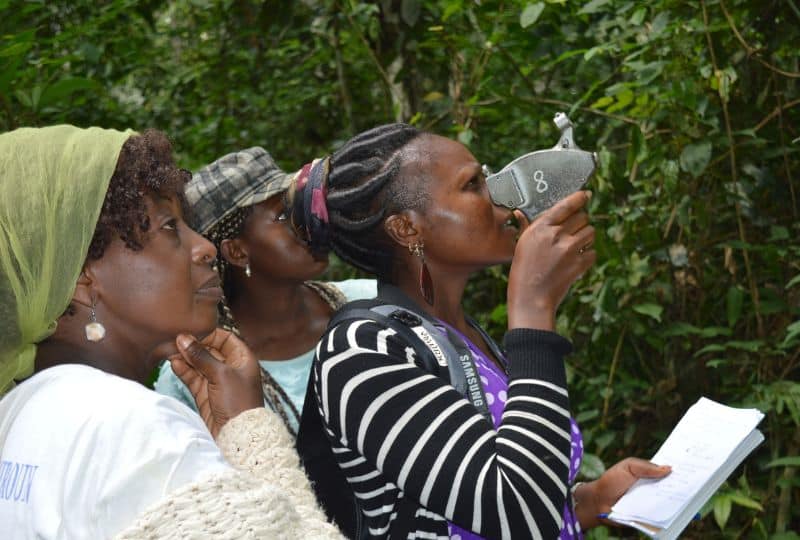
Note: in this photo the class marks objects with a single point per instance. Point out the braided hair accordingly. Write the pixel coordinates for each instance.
(364, 186)
(231, 226)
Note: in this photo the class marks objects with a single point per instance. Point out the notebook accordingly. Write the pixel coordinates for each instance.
(708, 443)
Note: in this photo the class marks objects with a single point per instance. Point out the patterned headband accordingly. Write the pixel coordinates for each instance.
(309, 208)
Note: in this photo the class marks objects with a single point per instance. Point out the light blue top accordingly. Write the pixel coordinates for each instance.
(292, 374)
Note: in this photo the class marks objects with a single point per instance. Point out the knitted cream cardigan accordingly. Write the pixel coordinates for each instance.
(267, 495)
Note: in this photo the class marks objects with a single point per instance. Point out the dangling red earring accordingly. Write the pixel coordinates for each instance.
(425, 281)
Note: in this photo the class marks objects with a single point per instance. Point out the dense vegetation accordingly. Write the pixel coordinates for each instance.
(693, 107)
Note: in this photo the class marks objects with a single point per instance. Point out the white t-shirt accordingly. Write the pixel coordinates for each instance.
(85, 452)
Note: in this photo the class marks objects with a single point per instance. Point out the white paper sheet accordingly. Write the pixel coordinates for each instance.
(702, 441)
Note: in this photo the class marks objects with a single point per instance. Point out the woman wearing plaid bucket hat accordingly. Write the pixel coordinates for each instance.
(271, 299)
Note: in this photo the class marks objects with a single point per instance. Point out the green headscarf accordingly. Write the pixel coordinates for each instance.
(52, 184)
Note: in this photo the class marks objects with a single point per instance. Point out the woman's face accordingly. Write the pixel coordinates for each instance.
(461, 227)
(166, 288)
(274, 250)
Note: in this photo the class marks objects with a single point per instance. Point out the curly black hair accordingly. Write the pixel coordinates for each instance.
(145, 167)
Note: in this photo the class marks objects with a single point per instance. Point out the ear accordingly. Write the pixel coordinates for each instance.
(235, 252)
(403, 228)
(84, 293)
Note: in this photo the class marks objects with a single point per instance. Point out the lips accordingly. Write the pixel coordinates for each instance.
(211, 288)
(511, 222)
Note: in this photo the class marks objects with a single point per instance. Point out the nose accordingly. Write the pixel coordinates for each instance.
(203, 251)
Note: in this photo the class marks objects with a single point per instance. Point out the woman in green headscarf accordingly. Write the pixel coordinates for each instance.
(100, 277)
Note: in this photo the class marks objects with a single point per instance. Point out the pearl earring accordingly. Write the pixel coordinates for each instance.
(94, 330)
(247, 270)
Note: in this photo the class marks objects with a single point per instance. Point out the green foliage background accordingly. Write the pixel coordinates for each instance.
(693, 107)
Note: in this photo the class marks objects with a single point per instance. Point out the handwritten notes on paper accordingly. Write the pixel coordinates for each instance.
(705, 446)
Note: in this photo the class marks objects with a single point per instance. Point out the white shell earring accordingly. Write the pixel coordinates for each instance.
(247, 270)
(94, 330)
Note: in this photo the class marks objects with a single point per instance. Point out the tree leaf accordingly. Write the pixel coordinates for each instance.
(592, 466)
(592, 7)
(695, 157)
(722, 510)
(64, 88)
(651, 310)
(791, 535)
(790, 461)
(531, 14)
(409, 11)
(747, 502)
(638, 16)
(733, 304)
(714, 347)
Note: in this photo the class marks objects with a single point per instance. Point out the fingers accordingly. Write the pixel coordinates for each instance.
(647, 469)
(566, 207)
(575, 222)
(522, 220)
(230, 348)
(194, 381)
(583, 240)
(197, 356)
(187, 374)
(217, 339)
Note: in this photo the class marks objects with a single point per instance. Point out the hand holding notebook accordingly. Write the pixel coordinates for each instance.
(708, 443)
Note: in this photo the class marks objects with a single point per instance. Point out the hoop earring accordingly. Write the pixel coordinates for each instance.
(247, 270)
(425, 280)
(95, 331)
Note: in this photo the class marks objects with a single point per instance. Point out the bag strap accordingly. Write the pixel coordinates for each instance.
(498, 353)
(433, 355)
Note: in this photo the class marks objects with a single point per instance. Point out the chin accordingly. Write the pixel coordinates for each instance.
(319, 269)
(205, 320)
(207, 326)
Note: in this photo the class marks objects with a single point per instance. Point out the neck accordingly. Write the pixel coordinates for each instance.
(268, 308)
(113, 355)
(448, 286)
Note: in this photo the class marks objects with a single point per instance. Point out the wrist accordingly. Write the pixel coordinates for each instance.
(584, 504)
(538, 318)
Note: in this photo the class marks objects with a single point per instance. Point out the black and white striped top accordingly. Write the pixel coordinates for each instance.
(399, 433)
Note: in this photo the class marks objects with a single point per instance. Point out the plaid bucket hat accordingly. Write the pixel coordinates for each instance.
(234, 181)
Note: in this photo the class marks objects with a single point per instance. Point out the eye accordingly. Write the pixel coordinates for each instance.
(473, 183)
(171, 225)
(282, 217)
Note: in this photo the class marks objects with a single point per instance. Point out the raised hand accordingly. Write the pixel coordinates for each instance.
(597, 497)
(552, 252)
(222, 374)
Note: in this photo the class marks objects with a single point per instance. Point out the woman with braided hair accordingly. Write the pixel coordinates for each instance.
(100, 279)
(270, 300)
(496, 458)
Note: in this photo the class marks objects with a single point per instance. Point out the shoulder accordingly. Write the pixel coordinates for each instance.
(86, 386)
(362, 327)
(354, 332)
(106, 401)
(356, 289)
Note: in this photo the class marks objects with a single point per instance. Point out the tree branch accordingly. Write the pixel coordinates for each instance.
(735, 177)
(344, 92)
(387, 81)
(751, 51)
